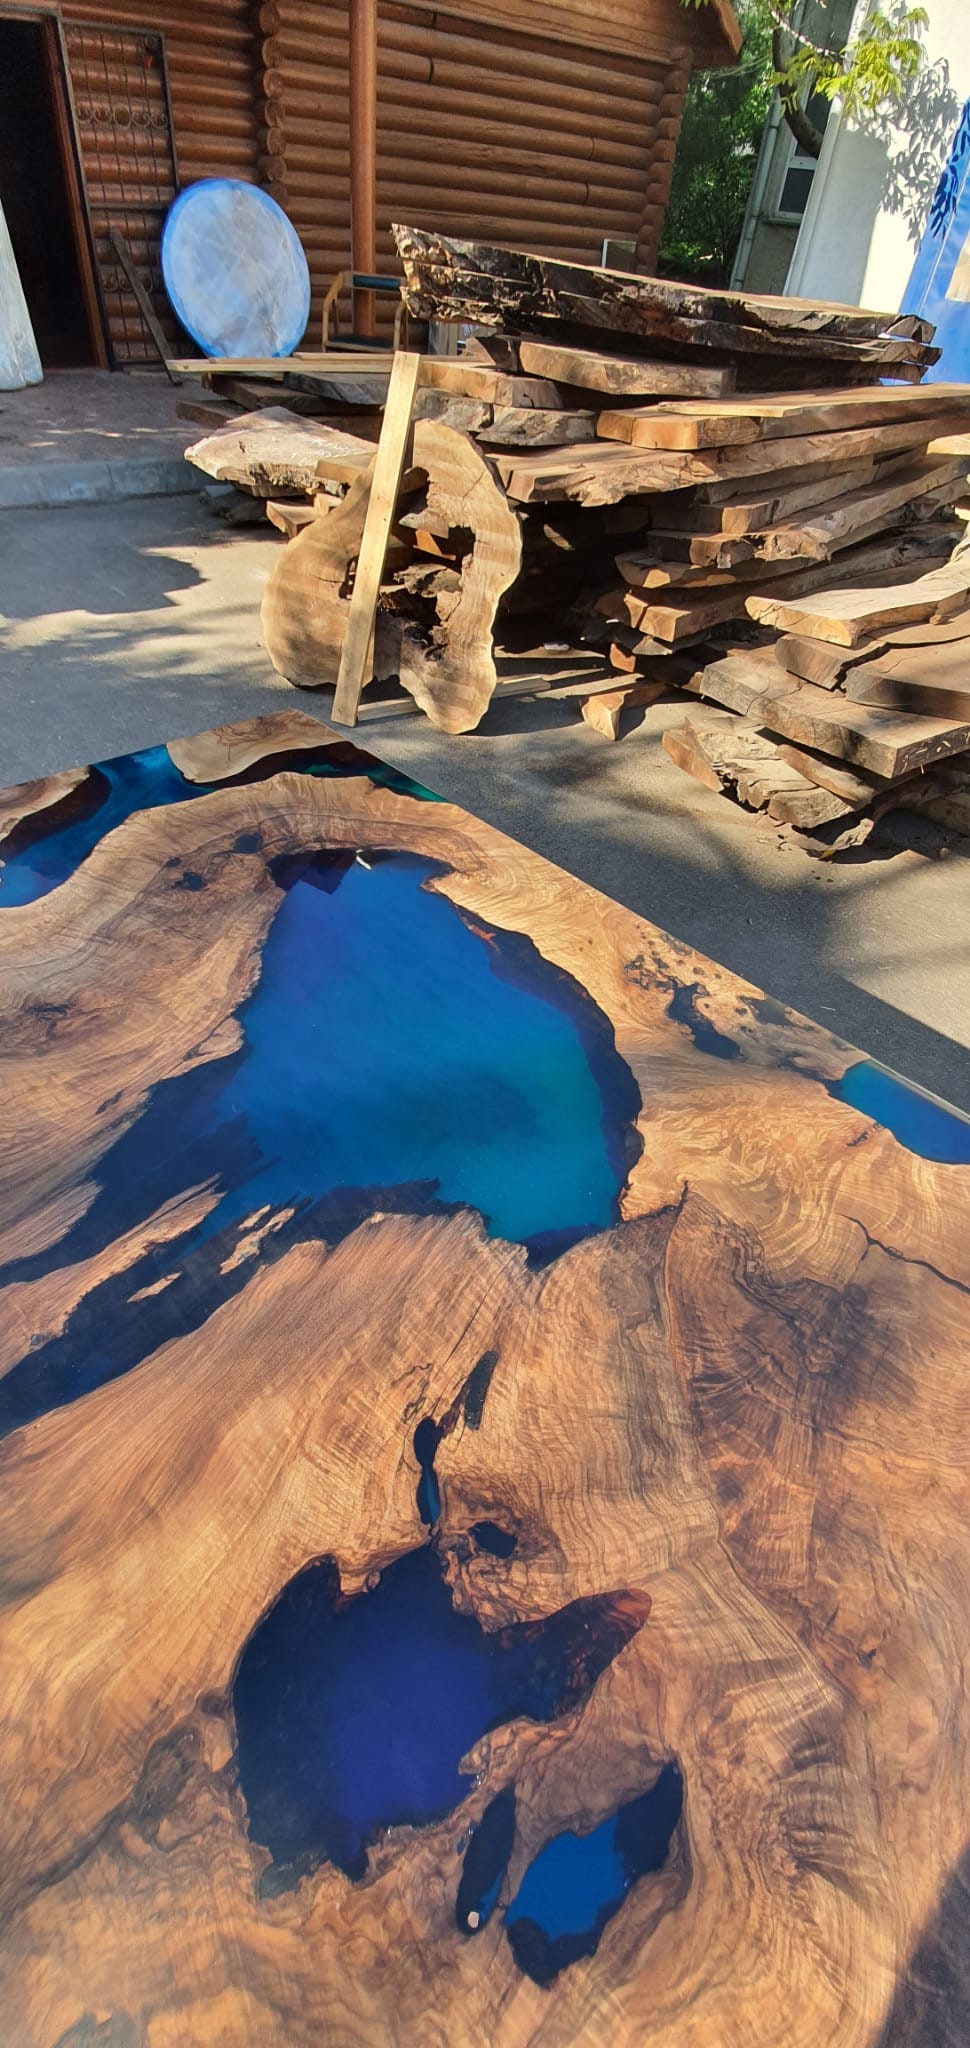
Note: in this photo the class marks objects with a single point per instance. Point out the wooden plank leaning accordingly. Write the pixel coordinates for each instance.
(385, 483)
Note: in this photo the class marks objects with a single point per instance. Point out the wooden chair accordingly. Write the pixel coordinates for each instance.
(350, 280)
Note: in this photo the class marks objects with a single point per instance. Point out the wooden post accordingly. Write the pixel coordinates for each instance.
(357, 654)
(363, 156)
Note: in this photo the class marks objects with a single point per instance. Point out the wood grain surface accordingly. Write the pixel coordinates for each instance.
(689, 1466)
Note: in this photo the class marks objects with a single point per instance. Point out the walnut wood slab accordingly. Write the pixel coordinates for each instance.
(688, 1468)
(448, 668)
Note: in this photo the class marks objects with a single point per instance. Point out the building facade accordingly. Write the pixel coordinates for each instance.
(875, 182)
(785, 172)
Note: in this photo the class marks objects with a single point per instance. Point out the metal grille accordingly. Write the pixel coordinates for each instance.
(123, 122)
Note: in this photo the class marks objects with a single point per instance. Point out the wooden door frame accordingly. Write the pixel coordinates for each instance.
(48, 19)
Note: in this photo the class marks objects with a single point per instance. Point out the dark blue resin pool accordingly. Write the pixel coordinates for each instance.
(353, 1716)
(485, 1863)
(576, 1884)
(47, 848)
(919, 1122)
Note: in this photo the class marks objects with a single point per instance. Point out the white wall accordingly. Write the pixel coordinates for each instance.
(872, 189)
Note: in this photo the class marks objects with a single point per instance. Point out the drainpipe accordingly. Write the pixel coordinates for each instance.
(363, 157)
(755, 196)
(806, 232)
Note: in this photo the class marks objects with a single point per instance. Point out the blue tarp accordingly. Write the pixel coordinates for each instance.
(939, 286)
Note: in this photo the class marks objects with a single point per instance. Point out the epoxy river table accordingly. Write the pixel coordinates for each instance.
(486, 1449)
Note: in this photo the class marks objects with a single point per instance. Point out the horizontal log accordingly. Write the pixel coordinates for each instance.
(461, 61)
(313, 17)
(405, 79)
(489, 189)
(187, 65)
(135, 152)
(229, 80)
(313, 56)
(213, 148)
(168, 17)
(549, 28)
(501, 157)
(294, 54)
(212, 27)
(480, 168)
(515, 217)
(233, 120)
(123, 194)
(598, 210)
(540, 231)
(314, 210)
(517, 89)
(215, 31)
(517, 52)
(300, 114)
(523, 123)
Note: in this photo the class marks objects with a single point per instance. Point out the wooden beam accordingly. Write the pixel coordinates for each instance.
(867, 736)
(318, 363)
(622, 376)
(603, 709)
(363, 156)
(850, 616)
(144, 304)
(385, 484)
(713, 423)
(601, 472)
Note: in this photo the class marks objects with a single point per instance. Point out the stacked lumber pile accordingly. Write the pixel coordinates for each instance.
(862, 708)
(651, 473)
(761, 341)
(268, 422)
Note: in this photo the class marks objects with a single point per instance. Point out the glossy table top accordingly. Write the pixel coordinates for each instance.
(484, 1424)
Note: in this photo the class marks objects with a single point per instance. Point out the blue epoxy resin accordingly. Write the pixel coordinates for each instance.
(385, 1044)
(352, 1716)
(390, 1043)
(918, 1121)
(493, 1539)
(427, 1437)
(49, 846)
(485, 1862)
(576, 1884)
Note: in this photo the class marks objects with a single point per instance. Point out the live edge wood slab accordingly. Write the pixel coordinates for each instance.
(446, 1322)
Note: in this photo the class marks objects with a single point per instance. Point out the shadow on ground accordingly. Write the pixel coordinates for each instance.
(133, 623)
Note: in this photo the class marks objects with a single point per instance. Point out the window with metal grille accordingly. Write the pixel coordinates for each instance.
(123, 122)
(799, 170)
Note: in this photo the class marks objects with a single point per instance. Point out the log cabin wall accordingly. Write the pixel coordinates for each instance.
(483, 131)
(554, 139)
(305, 85)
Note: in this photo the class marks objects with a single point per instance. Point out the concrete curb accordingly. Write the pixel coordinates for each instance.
(28, 486)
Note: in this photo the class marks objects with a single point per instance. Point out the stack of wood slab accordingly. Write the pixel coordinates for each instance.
(269, 422)
(861, 707)
(762, 341)
(633, 467)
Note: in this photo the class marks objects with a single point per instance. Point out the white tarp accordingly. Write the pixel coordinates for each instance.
(19, 360)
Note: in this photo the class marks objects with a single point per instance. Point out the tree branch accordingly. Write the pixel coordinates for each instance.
(805, 132)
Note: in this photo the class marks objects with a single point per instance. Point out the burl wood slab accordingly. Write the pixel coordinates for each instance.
(486, 1450)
